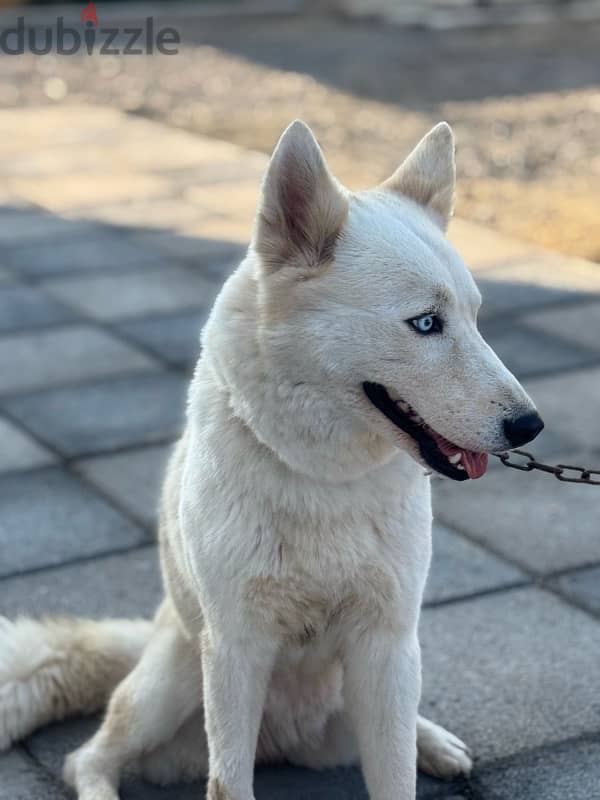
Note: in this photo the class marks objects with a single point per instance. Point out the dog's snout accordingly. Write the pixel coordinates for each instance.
(523, 429)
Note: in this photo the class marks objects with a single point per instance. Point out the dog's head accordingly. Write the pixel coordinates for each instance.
(367, 317)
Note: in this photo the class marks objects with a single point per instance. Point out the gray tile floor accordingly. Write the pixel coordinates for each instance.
(93, 375)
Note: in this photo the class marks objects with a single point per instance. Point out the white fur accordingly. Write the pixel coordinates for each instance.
(55, 667)
(296, 518)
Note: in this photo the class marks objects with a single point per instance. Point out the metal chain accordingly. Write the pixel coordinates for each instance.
(563, 472)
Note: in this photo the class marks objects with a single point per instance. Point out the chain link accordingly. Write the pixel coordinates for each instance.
(563, 472)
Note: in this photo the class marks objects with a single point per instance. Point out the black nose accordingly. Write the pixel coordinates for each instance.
(523, 429)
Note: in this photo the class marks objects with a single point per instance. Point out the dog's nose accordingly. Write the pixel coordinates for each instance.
(523, 429)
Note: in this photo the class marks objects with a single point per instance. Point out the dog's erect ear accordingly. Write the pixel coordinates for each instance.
(428, 175)
(303, 208)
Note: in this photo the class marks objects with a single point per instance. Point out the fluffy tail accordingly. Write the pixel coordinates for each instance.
(52, 668)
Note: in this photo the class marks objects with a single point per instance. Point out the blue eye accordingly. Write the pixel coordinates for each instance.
(426, 323)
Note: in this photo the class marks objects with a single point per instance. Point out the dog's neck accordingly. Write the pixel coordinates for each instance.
(298, 422)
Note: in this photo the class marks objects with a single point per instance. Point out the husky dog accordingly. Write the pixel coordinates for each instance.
(341, 366)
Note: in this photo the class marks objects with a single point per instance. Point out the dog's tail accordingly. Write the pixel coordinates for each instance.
(55, 667)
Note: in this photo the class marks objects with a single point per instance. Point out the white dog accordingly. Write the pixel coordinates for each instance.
(341, 364)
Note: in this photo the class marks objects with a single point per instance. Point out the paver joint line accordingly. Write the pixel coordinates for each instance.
(78, 561)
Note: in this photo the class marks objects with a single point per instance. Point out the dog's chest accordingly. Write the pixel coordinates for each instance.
(302, 609)
(348, 574)
(303, 558)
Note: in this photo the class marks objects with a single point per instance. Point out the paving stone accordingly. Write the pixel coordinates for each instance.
(158, 212)
(26, 307)
(124, 585)
(527, 352)
(482, 248)
(174, 338)
(568, 404)
(583, 586)
(539, 280)
(528, 517)
(219, 226)
(118, 296)
(511, 671)
(335, 784)
(563, 276)
(209, 255)
(239, 203)
(503, 293)
(103, 416)
(20, 451)
(23, 225)
(218, 173)
(20, 779)
(195, 158)
(69, 125)
(460, 568)
(99, 251)
(570, 771)
(81, 191)
(74, 353)
(579, 324)
(133, 478)
(49, 516)
(64, 124)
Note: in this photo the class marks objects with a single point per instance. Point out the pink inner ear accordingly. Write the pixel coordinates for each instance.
(303, 209)
(296, 194)
(428, 174)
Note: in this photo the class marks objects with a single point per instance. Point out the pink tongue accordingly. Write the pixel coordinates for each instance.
(475, 464)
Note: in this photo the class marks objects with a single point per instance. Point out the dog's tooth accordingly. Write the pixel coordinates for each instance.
(460, 466)
(455, 458)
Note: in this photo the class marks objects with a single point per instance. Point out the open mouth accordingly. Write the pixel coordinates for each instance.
(438, 453)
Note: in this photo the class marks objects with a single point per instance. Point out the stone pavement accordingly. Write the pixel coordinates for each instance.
(115, 234)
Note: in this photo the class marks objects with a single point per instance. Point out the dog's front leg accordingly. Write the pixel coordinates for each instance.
(382, 686)
(237, 667)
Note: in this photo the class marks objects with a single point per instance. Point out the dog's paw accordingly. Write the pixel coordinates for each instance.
(81, 774)
(70, 769)
(441, 753)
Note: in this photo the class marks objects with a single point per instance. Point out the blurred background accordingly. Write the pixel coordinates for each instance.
(518, 79)
(127, 194)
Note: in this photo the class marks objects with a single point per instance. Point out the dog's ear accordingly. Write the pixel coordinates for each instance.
(303, 208)
(428, 175)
